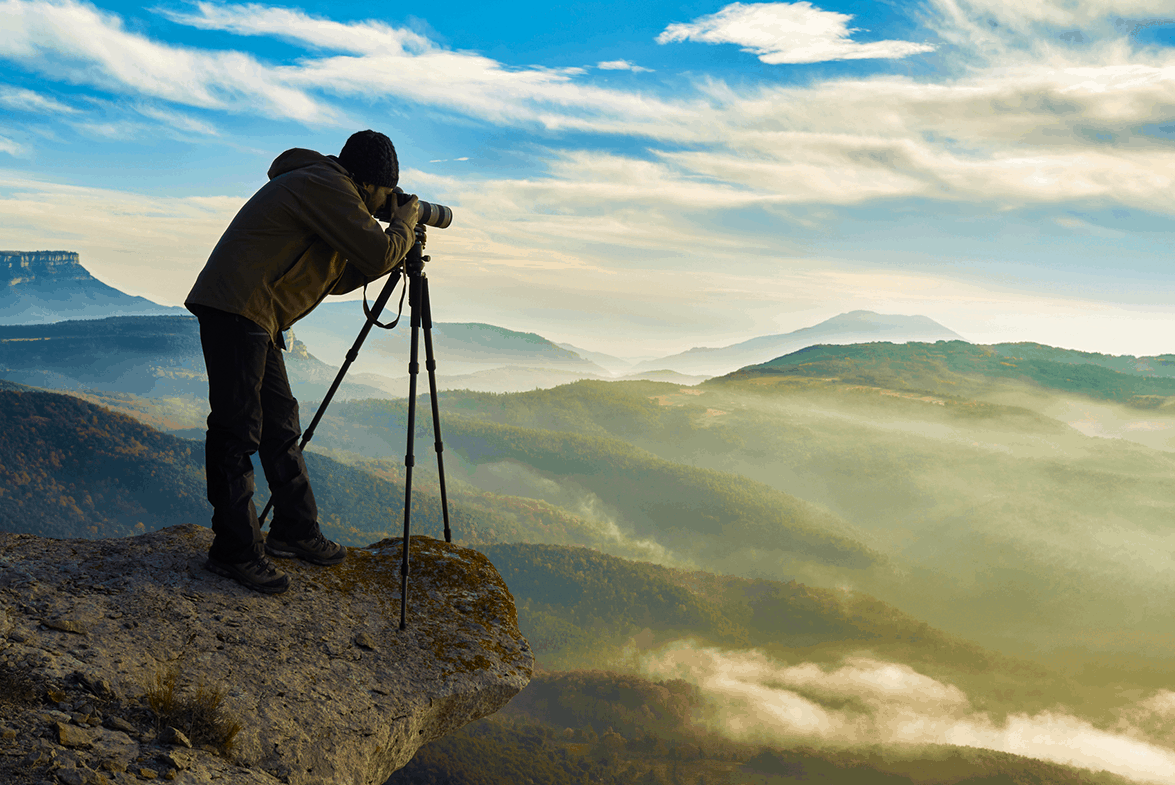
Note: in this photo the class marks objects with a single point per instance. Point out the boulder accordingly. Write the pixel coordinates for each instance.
(324, 686)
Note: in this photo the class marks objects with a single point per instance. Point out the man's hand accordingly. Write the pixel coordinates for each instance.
(407, 213)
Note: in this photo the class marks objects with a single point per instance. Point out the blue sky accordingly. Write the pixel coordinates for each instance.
(637, 178)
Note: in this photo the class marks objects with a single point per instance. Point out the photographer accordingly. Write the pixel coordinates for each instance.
(307, 233)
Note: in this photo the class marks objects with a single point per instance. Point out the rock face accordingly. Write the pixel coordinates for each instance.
(37, 287)
(17, 267)
(324, 685)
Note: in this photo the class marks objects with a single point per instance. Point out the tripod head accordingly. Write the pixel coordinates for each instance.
(414, 260)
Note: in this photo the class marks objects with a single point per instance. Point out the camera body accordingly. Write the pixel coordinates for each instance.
(437, 215)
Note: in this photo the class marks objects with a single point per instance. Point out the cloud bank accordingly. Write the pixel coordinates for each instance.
(864, 701)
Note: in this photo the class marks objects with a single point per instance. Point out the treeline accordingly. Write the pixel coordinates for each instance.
(72, 469)
(954, 367)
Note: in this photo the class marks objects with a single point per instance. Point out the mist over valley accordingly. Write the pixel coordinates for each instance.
(897, 550)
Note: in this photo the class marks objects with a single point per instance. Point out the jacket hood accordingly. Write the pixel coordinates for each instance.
(299, 158)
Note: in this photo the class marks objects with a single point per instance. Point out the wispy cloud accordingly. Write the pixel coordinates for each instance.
(621, 65)
(79, 44)
(378, 57)
(781, 33)
(10, 147)
(22, 100)
(1020, 16)
(867, 701)
(178, 120)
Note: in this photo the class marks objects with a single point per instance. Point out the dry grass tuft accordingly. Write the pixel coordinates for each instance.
(199, 712)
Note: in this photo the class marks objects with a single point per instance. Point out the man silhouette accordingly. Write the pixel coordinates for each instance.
(307, 233)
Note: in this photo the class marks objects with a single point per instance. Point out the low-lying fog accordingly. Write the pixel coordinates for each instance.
(866, 701)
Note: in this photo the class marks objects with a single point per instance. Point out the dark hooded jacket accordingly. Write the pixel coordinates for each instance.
(306, 234)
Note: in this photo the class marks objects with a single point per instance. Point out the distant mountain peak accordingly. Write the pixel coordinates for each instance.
(867, 319)
(39, 287)
(23, 267)
(852, 327)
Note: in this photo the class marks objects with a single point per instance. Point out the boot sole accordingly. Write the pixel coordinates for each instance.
(288, 554)
(227, 572)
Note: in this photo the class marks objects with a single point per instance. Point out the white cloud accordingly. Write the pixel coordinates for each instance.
(866, 701)
(1003, 31)
(79, 44)
(621, 65)
(787, 33)
(369, 37)
(22, 100)
(378, 58)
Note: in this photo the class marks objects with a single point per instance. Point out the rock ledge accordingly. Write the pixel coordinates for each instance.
(325, 686)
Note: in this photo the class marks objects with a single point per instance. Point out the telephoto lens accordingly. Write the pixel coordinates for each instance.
(437, 215)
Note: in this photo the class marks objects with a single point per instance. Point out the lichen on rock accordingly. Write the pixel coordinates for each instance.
(325, 686)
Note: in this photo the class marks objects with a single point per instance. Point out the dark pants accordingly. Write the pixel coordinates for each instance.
(253, 411)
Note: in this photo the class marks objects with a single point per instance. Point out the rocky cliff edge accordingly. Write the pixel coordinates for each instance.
(124, 660)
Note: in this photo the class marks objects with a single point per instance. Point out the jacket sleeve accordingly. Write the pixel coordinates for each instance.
(351, 279)
(333, 209)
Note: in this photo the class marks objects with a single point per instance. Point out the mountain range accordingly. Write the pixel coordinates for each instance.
(41, 287)
(851, 327)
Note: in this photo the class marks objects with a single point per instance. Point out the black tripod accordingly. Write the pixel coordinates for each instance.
(421, 309)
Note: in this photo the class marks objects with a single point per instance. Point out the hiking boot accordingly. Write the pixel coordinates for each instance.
(259, 574)
(316, 549)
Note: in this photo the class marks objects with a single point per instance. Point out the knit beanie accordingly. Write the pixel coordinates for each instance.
(370, 158)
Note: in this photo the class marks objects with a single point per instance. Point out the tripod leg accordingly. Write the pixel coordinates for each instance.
(414, 283)
(352, 355)
(431, 364)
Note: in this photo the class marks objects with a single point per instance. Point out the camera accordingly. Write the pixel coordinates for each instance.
(437, 215)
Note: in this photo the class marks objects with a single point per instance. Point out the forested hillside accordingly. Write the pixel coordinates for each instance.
(577, 598)
(69, 468)
(581, 608)
(700, 514)
(959, 368)
(72, 469)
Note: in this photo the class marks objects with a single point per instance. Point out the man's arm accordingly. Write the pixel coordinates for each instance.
(333, 208)
(351, 279)
(403, 216)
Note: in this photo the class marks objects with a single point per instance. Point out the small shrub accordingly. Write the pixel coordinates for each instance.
(198, 712)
